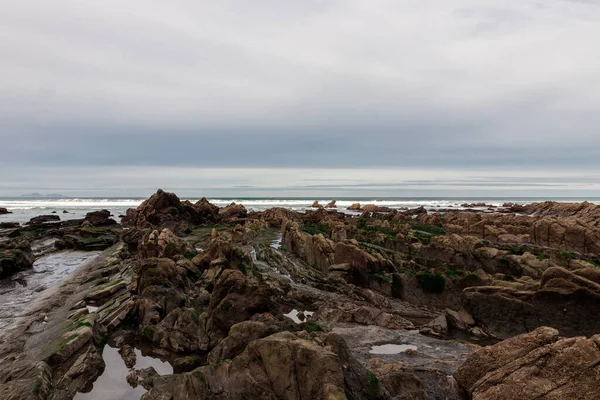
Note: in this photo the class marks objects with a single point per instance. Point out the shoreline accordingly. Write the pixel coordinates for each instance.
(378, 298)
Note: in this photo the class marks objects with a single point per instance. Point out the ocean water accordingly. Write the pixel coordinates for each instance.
(23, 209)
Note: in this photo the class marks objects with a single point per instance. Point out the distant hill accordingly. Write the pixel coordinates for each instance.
(43, 196)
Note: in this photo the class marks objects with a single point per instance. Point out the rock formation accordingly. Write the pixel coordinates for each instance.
(535, 365)
(15, 257)
(389, 304)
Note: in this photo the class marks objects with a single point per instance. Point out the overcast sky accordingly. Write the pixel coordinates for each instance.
(274, 97)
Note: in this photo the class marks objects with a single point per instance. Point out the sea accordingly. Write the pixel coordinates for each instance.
(23, 209)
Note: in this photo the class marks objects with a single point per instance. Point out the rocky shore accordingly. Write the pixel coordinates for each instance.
(482, 303)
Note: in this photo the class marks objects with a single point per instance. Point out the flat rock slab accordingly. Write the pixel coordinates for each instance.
(106, 290)
(408, 364)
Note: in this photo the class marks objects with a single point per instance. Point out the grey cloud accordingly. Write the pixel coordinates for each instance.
(320, 83)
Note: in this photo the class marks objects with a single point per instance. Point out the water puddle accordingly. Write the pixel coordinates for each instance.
(18, 291)
(276, 243)
(392, 348)
(112, 384)
(297, 319)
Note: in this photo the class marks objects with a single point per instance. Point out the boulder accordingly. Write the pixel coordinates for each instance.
(4, 211)
(316, 204)
(164, 208)
(99, 218)
(15, 257)
(535, 365)
(354, 207)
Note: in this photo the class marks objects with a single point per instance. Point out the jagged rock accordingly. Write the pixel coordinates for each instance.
(207, 212)
(275, 216)
(181, 331)
(564, 232)
(560, 209)
(278, 366)
(316, 204)
(235, 298)
(438, 327)
(316, 250)
(535, 365)
(186, 364)
(331, 204)
(416, 211)
(4, 211)
(164, 208)
(233, 212)
(128, 355)
(354, 207)
(228, 252)
(363, 263)
(163, 245)
(239, 336)
(99, 218)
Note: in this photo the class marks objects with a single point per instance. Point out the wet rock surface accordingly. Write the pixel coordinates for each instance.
(196, 301)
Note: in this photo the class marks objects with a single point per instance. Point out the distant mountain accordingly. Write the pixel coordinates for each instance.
(43, 196)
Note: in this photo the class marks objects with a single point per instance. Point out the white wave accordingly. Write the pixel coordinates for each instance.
(68, 203)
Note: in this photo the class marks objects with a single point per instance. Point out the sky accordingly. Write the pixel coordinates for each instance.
(300, 98)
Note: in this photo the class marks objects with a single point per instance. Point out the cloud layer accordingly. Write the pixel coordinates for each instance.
(414, 86)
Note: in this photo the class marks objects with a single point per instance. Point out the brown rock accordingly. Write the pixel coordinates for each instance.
(372, 208)
(164, 208)
(99, 218)
(278, 366)
(233, 212)
(163, 244)
(354, 207)
(363, 263)
(536, 365)
(331, 204)
(15, 257)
